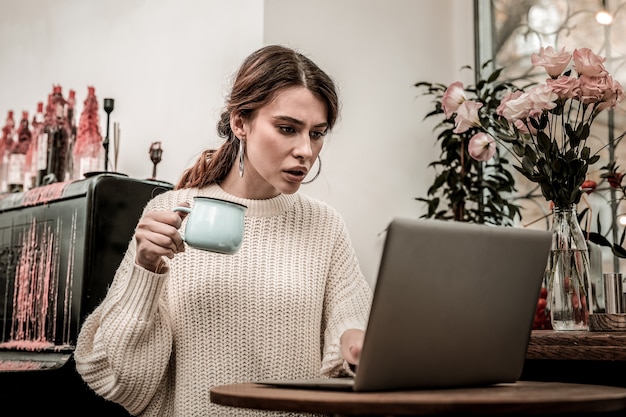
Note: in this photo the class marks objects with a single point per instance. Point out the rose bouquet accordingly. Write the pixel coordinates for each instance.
(548, 125)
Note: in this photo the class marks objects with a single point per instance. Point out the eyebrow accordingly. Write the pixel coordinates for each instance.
(298, 122)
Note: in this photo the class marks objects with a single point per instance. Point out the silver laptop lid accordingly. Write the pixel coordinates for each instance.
(453, 305)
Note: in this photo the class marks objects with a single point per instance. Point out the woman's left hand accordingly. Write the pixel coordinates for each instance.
(351, 344)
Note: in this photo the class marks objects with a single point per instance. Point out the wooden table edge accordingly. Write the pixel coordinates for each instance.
(528, 397)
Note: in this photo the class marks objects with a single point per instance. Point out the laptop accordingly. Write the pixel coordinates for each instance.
(453, 306)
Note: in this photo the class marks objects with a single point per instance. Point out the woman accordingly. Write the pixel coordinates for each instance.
(291, 303)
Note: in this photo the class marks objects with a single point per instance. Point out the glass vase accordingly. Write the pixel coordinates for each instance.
(567, 272)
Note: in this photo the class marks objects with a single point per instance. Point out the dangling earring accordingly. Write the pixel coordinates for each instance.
(319, 169)
(241, 157)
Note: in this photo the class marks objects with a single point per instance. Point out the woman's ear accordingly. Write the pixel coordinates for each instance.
(237, 125)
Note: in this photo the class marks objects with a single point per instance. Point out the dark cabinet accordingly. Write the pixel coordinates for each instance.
(60, 246)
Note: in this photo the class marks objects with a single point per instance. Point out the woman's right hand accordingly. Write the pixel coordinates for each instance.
(157, 236)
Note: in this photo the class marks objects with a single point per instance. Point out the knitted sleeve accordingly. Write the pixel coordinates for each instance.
(347, 301)
(124, 346)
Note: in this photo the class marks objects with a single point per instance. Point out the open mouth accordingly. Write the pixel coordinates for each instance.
(296, 175)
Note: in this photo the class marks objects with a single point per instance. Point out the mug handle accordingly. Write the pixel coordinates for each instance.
(184, 210)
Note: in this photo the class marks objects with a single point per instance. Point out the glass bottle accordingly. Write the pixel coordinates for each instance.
(43, 141)
(17, 155)
(6, 144)
(567, 272)
(88, 151)
(31, 169)
(58, 140)
(70, 120)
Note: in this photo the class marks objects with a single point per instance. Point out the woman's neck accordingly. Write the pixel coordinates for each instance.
(249, 187)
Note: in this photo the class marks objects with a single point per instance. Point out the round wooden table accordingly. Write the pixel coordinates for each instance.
(522, 397)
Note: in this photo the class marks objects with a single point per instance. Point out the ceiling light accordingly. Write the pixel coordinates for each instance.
(604, 18)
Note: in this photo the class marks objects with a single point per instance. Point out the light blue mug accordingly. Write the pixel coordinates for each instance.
(214, 225)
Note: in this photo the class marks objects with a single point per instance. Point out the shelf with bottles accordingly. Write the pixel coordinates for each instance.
(53, 147)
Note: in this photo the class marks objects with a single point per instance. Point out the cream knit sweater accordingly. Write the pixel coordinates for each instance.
(276, 309)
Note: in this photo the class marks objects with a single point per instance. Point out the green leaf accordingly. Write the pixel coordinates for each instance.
(494, 75)
(535, 123)
(530, 153)
(528, 165)
(619, 251)
(585, 152)
(518, 149)
(584, 131)
(598, 239)
(543, 142)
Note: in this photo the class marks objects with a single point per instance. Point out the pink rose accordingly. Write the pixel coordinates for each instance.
(533, 103)
(552, 61)
(564, 87)
(612, 95)
(467, 116)
(452, 98)
(541, 97)
(508, 97)
(592, 89)
(586, 62)
(482, 147)
(515, 106)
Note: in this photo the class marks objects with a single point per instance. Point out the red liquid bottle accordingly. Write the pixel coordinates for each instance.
(88, 151)
(6, 144)
(31, 169)
(17, 155)
(70, 120)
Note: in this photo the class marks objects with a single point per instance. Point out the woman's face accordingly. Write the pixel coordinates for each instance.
(282, 142)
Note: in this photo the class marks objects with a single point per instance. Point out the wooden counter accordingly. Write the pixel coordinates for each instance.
(577, 345)
(576, 356)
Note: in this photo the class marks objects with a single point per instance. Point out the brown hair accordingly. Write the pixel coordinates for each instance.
(262, 75)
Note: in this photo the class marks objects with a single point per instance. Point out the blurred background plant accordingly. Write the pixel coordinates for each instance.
(465, 189)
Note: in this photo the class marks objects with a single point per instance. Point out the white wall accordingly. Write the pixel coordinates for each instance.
(164, 62)
(167, 64)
